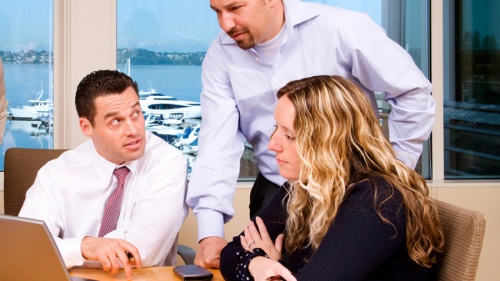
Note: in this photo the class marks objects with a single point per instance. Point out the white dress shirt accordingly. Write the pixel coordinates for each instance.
(70, 193)
(239, 96)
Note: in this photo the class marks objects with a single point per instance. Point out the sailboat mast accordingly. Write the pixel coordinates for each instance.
(128, 67)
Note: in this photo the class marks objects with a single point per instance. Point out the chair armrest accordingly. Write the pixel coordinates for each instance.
(187, 254)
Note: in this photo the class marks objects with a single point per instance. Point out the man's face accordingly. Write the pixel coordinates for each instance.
(119, 130)
(248, 22)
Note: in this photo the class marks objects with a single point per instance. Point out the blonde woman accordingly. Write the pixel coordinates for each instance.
(349, 210)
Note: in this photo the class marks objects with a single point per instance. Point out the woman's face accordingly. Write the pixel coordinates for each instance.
(283, 139)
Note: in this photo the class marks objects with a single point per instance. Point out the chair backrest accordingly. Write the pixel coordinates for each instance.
(21, 168)
(464, 233)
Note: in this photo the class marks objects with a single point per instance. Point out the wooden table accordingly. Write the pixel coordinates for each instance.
(162, 273)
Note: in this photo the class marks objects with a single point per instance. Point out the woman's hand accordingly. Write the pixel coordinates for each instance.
(253, 239)
(263, 269)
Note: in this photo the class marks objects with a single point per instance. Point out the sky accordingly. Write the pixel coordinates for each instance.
(25, 24)
(160, 24)
(152, 24)
(186, 22)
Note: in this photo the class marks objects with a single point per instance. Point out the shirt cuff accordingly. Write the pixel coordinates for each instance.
(408, 158)
(210, 223)
(71, 251)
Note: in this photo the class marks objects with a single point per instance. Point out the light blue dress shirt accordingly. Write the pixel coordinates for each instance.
(239, 95)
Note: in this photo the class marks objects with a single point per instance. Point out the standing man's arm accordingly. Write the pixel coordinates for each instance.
(216, 169)
(3, 103)
(380, 64)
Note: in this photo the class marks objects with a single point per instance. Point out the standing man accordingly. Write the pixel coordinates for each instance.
(263, 45)
(3, 103)
(75, 193)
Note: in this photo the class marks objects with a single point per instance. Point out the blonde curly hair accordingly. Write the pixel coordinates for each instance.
(340, 143)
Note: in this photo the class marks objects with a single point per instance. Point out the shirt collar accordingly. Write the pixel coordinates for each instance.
(297, 12)
(105, 168)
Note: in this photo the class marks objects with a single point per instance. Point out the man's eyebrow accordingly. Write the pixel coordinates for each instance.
(231, 4)
(110, 114)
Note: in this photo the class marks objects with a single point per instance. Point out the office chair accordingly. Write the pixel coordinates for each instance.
(463, 233)
(21, 168)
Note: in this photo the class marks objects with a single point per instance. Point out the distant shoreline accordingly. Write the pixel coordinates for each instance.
(137, 57)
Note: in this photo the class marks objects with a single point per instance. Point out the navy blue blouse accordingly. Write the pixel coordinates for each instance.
(357, 246)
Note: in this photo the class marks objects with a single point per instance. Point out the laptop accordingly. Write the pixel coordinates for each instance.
(29, 252)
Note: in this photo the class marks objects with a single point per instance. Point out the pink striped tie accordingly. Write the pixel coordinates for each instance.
(112, 208)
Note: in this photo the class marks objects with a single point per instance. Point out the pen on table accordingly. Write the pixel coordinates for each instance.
(130, 257)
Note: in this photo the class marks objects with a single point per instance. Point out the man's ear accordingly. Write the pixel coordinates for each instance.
(86, 127)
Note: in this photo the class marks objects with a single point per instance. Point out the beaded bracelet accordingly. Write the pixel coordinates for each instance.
(242, 272)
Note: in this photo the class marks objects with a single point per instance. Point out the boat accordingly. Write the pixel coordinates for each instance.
(151, 92)
(163, 107)
(153, 120)
(169, 107)
(36, 109)
(188, 141)
(184, 137)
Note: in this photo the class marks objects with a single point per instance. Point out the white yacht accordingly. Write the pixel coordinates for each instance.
(151, 92)
(171, 108)
(35, 109)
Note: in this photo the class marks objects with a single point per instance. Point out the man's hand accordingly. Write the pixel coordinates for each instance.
(208, 255)
(111, 252)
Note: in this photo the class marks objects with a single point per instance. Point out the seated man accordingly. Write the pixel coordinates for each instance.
(71, 192)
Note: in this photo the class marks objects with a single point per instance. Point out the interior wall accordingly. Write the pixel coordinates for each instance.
(189, 232)
(484, 199)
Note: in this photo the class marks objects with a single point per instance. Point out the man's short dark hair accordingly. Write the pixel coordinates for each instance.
(100, 83)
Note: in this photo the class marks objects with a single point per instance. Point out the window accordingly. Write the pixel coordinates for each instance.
(26, 51)
(472, 89)
(407, 23)
(161, 45)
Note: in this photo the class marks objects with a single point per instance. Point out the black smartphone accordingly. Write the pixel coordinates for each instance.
(193, 272)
